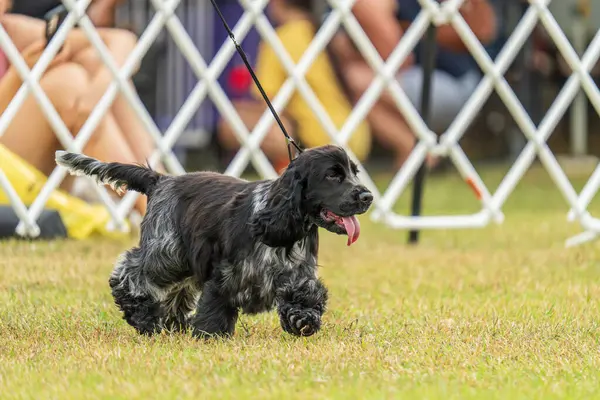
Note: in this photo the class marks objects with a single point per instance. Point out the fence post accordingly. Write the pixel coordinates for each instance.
(429, 54)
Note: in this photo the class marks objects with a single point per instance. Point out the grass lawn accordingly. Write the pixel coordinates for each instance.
(495, 313)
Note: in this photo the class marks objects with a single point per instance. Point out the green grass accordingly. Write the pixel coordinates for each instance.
(496, 313)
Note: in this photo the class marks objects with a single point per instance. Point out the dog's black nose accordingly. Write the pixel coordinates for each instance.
(365, 197)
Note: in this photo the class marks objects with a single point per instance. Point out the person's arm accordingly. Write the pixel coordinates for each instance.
(102, 12)
(377, 19)
(481, 18)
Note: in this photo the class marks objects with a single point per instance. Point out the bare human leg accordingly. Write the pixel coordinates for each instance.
(25, 30)
(31, 136)
(121, 44)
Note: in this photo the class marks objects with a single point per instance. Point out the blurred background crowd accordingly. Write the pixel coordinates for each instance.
(77, 78)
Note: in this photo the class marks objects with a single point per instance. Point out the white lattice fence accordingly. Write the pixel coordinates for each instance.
(208, 87)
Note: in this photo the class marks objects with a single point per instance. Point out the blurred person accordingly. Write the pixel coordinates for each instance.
(74, 82)
(453, 81)
(100, 12)
(296, 28)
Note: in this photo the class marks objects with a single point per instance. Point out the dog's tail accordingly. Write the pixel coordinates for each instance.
(121, 177)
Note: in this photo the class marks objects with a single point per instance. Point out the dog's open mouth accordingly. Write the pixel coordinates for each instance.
(350, 224)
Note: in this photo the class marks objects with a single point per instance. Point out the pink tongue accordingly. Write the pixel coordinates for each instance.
(352, 228)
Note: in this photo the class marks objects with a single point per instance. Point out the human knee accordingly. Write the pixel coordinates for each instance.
(124, 38)
(89, 59)
(358, 78)
(120, 43)
(71, 87)
(68, 78)
(64, 85)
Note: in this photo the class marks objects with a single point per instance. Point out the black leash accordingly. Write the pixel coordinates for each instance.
(239, 49)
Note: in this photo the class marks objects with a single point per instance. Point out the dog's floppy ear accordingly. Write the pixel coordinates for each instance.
(283, 220)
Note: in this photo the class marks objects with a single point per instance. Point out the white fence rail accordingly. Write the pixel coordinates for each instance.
(208, 86)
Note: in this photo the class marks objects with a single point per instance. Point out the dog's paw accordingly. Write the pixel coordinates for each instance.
(301, 322)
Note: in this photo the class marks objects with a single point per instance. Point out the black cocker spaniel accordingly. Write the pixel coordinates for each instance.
(215, 244)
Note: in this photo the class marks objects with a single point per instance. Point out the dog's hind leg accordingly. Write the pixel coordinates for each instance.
(135, 295)
(214, 315)
(179, 304)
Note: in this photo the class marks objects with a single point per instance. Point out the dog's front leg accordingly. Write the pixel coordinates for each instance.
(301, 301)
(214, 315)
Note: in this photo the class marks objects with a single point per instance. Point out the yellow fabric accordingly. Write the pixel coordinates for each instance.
(82, 220)
(296, 37)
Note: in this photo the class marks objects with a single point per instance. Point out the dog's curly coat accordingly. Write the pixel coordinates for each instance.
(217, 244)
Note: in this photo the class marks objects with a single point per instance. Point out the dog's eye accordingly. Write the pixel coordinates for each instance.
(335, 174)
(332, 174)
(354, 168)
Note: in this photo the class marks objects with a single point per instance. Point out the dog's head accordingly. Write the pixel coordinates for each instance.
(319, 187)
